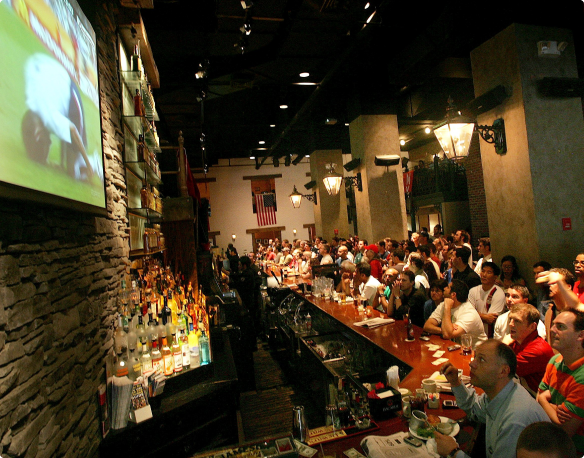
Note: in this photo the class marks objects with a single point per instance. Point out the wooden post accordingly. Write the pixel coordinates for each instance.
(182, 167)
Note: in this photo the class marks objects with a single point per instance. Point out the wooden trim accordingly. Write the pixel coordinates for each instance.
(214, 233)
(262, 177)
(308, 174)
(306, 226)
(265, 229)
(205, 180)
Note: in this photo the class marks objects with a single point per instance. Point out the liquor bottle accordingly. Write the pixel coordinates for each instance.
(156, 357)
(146, 360)
(410, 329)
(120, 339)
(124, 297)
(194, 347)
(204, 349)
(132, 339)
(161, 330)
(141, 334)
(173, 307)
(134, 365)
(137, 103)
(121, 368)
(308, 322)
(137, 60)
(167, 358)
(177, 354)
(184, 345)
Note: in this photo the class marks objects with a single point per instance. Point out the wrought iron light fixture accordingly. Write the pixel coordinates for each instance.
(332, 180)
(455, 133)
(296, 198)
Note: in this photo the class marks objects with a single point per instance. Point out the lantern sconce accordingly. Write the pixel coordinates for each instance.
(455, 133)
(332, 180)
(233, 236)
(296, 198)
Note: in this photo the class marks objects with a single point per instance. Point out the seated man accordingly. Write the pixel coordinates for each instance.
(561, 392)
(455, 316)
(405, 298)
(347, 273)
(368, 284)
(517, 294)
(384, 289)
(488, 298)
(561, 281)
(437, 288)
(505, 406)
(533, 353)
(545, 440)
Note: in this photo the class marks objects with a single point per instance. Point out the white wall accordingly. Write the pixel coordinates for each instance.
(231, 201)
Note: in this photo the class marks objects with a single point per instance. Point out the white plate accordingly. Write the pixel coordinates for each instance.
(454, 432)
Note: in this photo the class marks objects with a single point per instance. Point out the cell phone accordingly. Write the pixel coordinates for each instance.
(448, 404)
(413, 441)
(426, 338)
(454, 347)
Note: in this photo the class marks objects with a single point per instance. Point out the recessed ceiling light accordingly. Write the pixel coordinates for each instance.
(304, 75)
(272, 125)
(427, 130)
(252, 157)
(308, 155)
(402, 142)
(367, 5)
(347, 124)
(262, 142)
(283, 107)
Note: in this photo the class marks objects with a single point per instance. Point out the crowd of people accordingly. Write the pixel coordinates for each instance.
(529, 344)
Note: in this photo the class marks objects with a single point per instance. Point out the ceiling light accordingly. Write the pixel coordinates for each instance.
(427, 130)
(283, 107)
(305, 84)
(272, 125)
(262, 142)
(347, 124)
(402, 142)
(367, 5)
(371, 17)
(304, 75)
(246, 4)
(252, 158)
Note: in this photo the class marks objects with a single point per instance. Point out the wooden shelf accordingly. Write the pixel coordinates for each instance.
(141, 253)
(147, 4)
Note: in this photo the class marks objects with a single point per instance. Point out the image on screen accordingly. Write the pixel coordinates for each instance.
(50, 126)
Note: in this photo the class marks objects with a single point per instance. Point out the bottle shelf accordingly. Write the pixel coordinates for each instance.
(139, 125)
(140, 253)
(151, 215)
(143, 171)
(134, 80)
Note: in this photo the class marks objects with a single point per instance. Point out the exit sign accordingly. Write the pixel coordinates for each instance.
(567, 224)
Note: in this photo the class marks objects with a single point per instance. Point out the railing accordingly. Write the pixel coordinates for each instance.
(444, 176)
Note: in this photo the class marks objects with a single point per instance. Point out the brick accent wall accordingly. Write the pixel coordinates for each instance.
(59, 275)
(476, 192)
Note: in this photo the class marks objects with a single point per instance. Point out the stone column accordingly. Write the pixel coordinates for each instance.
(331, 211)
(381, 209)
(537, 183)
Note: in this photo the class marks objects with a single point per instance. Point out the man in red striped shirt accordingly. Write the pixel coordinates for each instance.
(561, 392)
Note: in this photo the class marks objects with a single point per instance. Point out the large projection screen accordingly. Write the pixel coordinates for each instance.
(50, 123)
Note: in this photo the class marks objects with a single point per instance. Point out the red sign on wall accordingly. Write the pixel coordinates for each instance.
(408, 181)
(567, 224)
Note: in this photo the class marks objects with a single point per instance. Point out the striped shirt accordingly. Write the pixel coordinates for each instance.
(566, 385)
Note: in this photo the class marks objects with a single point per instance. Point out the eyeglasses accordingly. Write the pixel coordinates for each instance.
(578, 263)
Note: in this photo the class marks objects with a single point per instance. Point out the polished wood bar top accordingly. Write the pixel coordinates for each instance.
(389, 337)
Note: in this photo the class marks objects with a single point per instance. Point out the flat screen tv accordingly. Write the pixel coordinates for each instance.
(50, 123)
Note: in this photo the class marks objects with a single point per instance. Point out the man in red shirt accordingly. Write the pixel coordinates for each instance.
(579, 271)
(533, 353)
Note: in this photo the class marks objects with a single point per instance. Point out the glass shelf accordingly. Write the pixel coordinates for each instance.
(151, 215)
(134, 81)
(143, 171)
(139, 125)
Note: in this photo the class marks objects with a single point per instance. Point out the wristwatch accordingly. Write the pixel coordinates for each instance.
(453, 453)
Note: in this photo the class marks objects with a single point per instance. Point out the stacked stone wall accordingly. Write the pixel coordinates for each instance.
(60, 271)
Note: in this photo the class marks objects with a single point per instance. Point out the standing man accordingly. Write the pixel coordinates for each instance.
(561, 392)
(455, 316)
(505, 406)
(485, 251)
(462, 238)
(488, 298)
(463, 271)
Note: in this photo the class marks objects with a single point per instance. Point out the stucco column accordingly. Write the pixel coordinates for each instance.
(331, 211)
(381, 209)
(539, 181)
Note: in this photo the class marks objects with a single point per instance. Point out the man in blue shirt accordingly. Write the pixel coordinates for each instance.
(506, 407)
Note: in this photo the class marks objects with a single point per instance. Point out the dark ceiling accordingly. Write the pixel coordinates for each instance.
(406, 61)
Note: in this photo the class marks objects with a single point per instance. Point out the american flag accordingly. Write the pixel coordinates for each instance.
(266, 209)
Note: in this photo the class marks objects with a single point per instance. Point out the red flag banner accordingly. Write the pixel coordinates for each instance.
(266, 209)
(408, 181)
